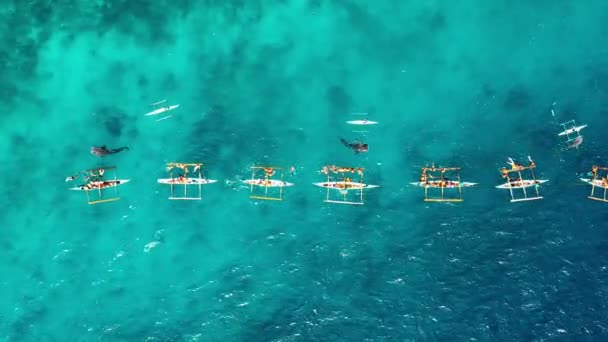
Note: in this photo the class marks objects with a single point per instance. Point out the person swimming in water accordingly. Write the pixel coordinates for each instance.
(71, 178)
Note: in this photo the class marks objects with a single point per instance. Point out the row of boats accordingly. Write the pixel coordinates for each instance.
(343, 184)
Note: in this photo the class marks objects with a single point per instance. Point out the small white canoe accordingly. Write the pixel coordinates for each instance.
(361, 122)
(186, 181)
(572, 130)
(161, 110)
(598, 182)
(270, 183)
(449, 184)
(526, 183)
(342, 185)
(96, 185)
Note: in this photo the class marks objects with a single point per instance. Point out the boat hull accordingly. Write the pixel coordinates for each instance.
(572, 130)
(450, 185)
(102, 185)
(161, 110)
(189, 181)
(270, 183)
(597, 182)
(526, 183)
(345, 185)
(361, 122)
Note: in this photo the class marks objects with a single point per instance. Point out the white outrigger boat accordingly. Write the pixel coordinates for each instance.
(95, 182)
(572, 133)
(572, 130)
(184, 180)
(159, 110)
(266, 182)
(345, 185)
(520, 182)
(435, 179)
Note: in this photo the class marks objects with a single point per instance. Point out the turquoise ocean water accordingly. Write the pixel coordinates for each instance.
(272, 82)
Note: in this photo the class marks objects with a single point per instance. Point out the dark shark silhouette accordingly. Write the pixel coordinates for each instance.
(104, 151)
(355, 146)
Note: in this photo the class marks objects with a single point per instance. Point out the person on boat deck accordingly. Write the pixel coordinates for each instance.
(269, 171)
(604, 181)
(423, 179)
(504, 172)
(594, 170)
(514, 165)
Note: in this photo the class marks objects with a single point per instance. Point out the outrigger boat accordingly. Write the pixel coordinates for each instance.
(266, 182)
(95, 182)
(575, 129)
(520, 182)
(344, 184)
(572, 133)
(183, 179)
(361, 122)
(440, 180)
(598, 181)
(160, 109)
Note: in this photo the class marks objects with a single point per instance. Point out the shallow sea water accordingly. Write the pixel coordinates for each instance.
(272, 82)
